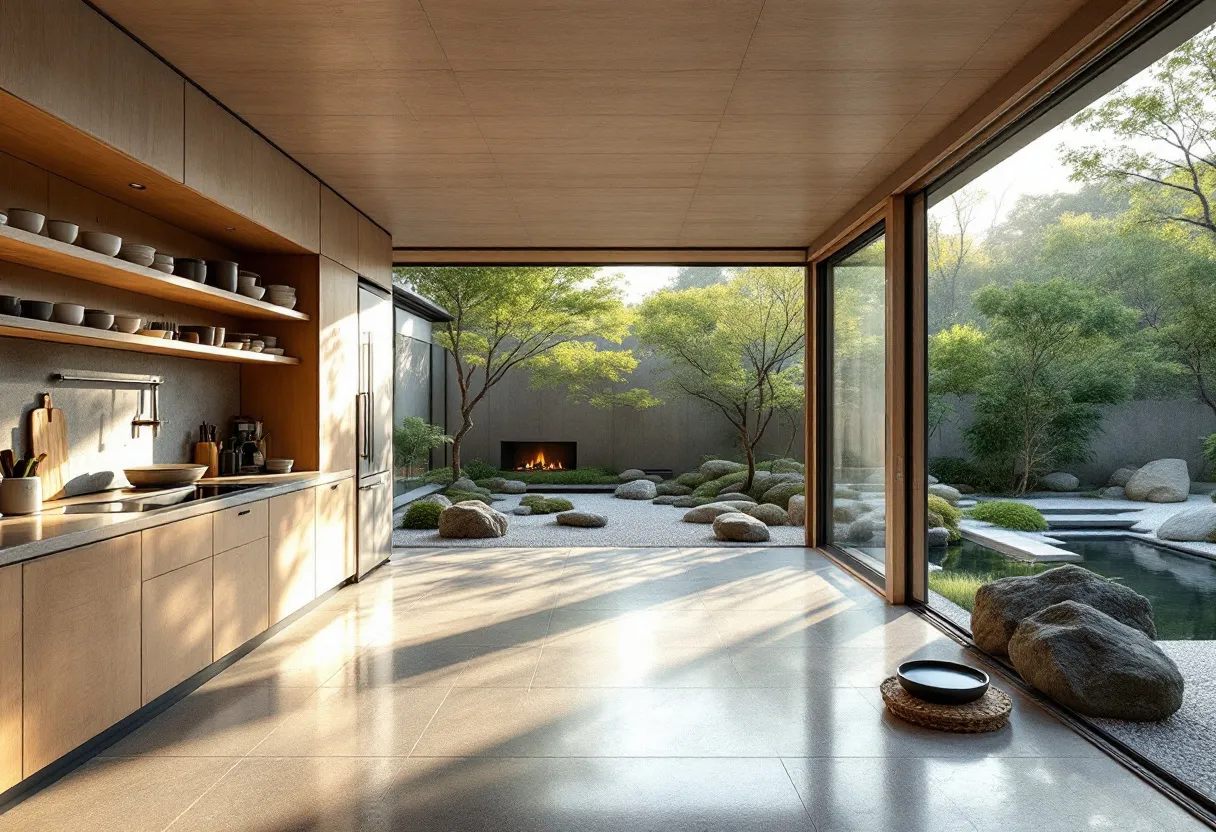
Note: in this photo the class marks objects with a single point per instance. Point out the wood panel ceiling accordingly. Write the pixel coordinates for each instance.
(609, 123)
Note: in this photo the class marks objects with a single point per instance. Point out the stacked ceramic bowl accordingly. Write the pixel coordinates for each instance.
(281, 295)
(279, 466)
(137, 254)
(247, 285)
(162, 263)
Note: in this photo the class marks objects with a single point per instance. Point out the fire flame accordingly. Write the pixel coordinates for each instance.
(539, 464)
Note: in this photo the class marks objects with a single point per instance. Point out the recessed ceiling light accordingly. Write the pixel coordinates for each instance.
(230, 228)
(137, 186)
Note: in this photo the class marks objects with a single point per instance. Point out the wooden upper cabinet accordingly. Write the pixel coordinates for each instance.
(229, 163)
(10, 676)
(375, 253)
(293, 570)
(81, 622)
(66, 59)
(338, 323)
(339, 230)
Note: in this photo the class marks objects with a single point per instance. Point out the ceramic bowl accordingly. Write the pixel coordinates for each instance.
(257, 346)
(151, 333)
(10, 305)
(279, 466)
(98, 318)
(206, 334)
(68, 313)
(30, 221)
(62, 230)
(243, 280)
(161, 257)
(3, 218)
(167, 268)
(219, 339)
(39, 310)
(127, 324)
(100, 242)
(254, 292)
(234, 345)
(222, 274)
(139, 255)
(273, 351)
(189, 338)
(190, 268)
(165, 475)
(270, 340)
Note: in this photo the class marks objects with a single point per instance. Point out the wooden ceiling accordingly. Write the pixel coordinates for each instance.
(607, 123)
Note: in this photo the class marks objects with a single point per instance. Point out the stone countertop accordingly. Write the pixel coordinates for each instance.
(37, 535)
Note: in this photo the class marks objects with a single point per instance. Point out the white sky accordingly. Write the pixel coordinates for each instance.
(640, 281)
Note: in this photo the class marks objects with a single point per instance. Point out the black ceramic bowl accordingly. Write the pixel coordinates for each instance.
(222, 274)
(10, 305)
(190, 268)
(945, 683)
(39, 310)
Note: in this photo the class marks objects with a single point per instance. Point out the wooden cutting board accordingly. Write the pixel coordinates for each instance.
(49, 435)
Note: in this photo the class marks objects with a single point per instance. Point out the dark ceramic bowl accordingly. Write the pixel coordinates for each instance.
(945, 683)
(39, 310)
(206, 334)
(190, 268)
(10, 305)
(222, 274)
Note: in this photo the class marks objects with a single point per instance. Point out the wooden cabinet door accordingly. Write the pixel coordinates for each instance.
(339, 230)
(81, 621)
(375, 253)
(293, 569)
(176, 627)
(239, 525)
(335, 533)
(10, 676)
(241, 596)
(338, 324)
(175, 545)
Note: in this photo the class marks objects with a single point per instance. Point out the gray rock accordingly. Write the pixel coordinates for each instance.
(769, 514)
(714, 468)
(950, 495)
(797, 510)
(1060, 481)
(709, 511)
(654, 478)
(691, 501)
(1160, 481)
(843, 492)
(514, 487)
(636, 490)
(933, 480)
(672, 489)
(735, 496)
(631, 474)
(1113, 492)
(738, 526)
(666, 500)
(497, 484)
(939, 538)
(1197, 525)
(522, 511)
(1002, 604)
(863, 529)
(779, 494)
(1121, 477)
(437, 499)
(471, 518)
(582, 519)
(465, 484)
(1094, 665)
(846, 511)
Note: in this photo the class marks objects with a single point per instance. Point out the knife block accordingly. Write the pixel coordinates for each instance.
(208, 453)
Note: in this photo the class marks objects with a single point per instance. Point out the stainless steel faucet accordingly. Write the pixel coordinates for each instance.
(154, 422)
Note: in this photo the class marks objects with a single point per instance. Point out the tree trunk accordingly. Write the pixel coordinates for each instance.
(751, 463)
(466, 425)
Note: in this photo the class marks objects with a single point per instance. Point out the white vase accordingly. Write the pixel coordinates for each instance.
(20, 495)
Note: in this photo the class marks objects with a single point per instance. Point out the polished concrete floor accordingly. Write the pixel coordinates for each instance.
(586, 690)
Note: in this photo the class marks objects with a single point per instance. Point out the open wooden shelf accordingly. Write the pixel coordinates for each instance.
(64, 334)
(38, 252)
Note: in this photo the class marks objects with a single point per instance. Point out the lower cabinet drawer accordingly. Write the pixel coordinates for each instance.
(176, 627)
(239, 525)
(174, 545)
(241, 592)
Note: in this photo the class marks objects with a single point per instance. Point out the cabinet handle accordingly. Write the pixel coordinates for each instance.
(243, 513)
(334, 487)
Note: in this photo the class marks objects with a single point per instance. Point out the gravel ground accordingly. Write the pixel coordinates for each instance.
(634, 523)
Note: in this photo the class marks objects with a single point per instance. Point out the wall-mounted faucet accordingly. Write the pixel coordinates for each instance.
(153, 420)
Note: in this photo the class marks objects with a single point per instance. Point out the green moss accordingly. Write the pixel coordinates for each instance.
(422, 516)
(712, 487)
(438, 475)
(1009, 514)
(779, 494)
(546, 505)
(949, 515)
(578, 476)
(457, 496)
(692, 479)
(935, 521)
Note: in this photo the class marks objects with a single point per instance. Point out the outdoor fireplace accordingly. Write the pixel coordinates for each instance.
(539, 456)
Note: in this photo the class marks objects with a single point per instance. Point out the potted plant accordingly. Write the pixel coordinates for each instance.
(20, 490)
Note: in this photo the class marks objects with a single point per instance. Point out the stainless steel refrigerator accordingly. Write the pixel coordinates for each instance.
(375, 426)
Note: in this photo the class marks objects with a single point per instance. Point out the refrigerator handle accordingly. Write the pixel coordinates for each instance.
(361, 425)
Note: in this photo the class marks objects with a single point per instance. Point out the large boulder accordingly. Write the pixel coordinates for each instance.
(522, 511)
(865, 529)
(769, 514)
(466, 484)
(582, 519)
(947, 493)
(691, 501)
(735, 497)
(1060, 481)
(779, 494)
(1001, 605)
(666, 500)
(471, 518)
(843, 492)
(1197, 525)
(1121, 476)
(672, 489)
(938, 538)
(631, 474)
(1113, 492)
(797, 510)
(1094, 665)
(437, 499)
(711, 469)
(708, 512)
(636, 490)
(1160, 481)
(738, 526)
(514, 487)
(846, 511)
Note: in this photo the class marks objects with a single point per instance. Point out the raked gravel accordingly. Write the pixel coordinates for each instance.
(634, 523)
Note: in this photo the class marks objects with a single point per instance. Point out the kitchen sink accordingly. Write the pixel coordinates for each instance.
(151, 499)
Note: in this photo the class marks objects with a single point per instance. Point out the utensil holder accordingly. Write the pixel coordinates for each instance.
(208, 453)
(20, 495)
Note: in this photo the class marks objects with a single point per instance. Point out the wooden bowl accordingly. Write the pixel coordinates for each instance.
(164, 475)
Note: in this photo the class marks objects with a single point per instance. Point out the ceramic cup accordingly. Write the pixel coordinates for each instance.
(10, 305)
(20, 495)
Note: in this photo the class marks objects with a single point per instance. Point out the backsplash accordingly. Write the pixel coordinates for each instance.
(99, 416)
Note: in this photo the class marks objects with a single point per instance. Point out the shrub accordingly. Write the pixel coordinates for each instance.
(949, 515)
(478, 469)
(438, 476)
(960, 587)
(1009, 515)
(414, 439)
(712, 487)
(692, 479)
(422, 516)
(936, 521)
(456, 496)
(546, 505)
(577, 476)
(955, 469)
(1209, 452)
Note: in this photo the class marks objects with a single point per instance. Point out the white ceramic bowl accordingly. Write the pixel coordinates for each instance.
(127, 324)
(234, 345)
(273, 351)
(98, 318)
(3, 218)
(30, 221)
(257, 346)
(255, 292)
(286, 304)
(139, 255)
(279, 288)
(160, 257)
(165, 475)
(100, 242)
(62, 230)
(68, 313)
(167, 268)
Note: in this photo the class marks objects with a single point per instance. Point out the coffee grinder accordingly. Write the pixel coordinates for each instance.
(246, 442)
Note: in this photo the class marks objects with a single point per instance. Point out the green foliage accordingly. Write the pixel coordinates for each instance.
(735, 346)
(959, 361)
(1209, 451)
(779, 494)
(577, 476)
(960, 587)
(422, 516)
(414, 439)
(1059, 351)
(546, 505)
(711, 488)
(479, 469)
(457, 495)
(935, 520)
(692, 479)
(955, 469)
(1009, 514)
(949, 515)
(438, 476)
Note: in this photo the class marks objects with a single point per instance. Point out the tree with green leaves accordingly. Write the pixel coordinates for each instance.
(959, 361)
(736, 346)
(414, 439)
(551, 320)
(1058, 351)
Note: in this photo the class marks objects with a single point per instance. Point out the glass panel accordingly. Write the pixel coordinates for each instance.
(857, 287)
